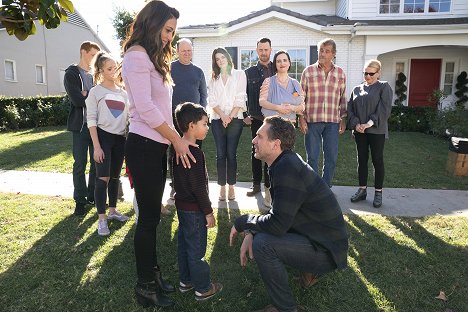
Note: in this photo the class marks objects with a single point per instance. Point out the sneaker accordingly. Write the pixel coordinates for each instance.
(102, 228)
(117, 216)
(185, 287)
(214, 289)
(80, 210)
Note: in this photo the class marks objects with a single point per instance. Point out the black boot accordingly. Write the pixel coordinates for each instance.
(163, 285)
(149, 294)
(361, 194)
(377, 199)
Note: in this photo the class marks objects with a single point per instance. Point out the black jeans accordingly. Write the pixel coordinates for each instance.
(113, 147)
(376, 143)
(147, 161)
(82, 145)
(257, 163)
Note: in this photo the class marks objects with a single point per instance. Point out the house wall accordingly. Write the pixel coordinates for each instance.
(349, 55)
(342, 8)
(53, 48)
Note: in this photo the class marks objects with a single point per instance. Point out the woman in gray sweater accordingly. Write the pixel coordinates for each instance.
(369, 108)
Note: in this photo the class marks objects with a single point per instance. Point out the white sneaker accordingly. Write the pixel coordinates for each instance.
(102, 228)
(267, 198)
(117, 216)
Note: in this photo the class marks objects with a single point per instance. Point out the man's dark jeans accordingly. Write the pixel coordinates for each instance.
(257, 163)
(273, 253)
(191, 249)
(82, 147)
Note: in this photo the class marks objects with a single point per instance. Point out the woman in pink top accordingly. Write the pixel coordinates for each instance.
(146, 74)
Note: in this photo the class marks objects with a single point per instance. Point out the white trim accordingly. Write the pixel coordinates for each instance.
(220, 31)
(44, 82)
(456, 65)
(15, 77)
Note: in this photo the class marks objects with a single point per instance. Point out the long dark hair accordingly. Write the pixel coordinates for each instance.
(215, 68)
(146, 31)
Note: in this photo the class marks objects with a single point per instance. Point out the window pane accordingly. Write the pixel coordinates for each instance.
(9, 70)
(445, 7)
(450, 67)
(39, 74)
(248, 58)
(448, 78)
(447, 89)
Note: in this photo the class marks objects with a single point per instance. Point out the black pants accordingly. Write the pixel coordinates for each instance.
(146, 160)
(257, 163)
(376, 143)
(82, 146)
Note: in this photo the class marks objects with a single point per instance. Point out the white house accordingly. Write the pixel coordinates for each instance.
(36, 66)
(427, 40)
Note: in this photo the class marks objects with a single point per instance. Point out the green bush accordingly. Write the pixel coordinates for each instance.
(30, 112)
(452, 121)
(411, 119)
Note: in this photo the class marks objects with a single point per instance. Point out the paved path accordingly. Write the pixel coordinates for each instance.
(396, 202)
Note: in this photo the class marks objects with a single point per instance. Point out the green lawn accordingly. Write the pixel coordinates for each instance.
(412, 160)
(52, 261)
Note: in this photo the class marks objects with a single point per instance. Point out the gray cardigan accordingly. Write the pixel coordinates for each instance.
(372, 102)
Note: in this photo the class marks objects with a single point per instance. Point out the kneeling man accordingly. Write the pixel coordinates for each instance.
(305, 228)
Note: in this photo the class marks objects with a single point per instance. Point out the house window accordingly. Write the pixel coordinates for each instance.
(399, 68)
(298, 62)
(389, 6)
(40, 74)
(248, 58)
(10, 70)
(413, 6)
(449, 77)
(439, 6)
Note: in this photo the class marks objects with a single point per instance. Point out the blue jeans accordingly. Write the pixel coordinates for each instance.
(82, 146)
(191, 249)
(273, 253)
(226, 140)
(322, 135)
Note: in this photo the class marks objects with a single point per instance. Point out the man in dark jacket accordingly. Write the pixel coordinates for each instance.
(255, 76)
(304, 229)
(78, 81)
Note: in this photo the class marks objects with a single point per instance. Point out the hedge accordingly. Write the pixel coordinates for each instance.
(30, 112)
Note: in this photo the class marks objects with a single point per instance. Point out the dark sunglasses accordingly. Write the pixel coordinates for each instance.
(370, 74)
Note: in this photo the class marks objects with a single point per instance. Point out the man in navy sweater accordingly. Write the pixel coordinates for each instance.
(190, 86)
(304, 229)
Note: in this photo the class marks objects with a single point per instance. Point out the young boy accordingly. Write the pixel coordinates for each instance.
(193, 207)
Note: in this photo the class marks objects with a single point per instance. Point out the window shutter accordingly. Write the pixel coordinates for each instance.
(233, 53)
(313, 54)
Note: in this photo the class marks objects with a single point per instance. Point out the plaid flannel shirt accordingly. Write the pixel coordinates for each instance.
(325, 97)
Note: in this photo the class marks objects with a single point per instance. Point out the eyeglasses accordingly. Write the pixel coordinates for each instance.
(370, 74)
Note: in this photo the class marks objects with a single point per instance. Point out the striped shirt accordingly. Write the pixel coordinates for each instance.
(325, 96)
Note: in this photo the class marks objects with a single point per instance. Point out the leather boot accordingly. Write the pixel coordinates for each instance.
(377, 199)
(255, 190)
(163, 285)
(149, 294)
(361, 194)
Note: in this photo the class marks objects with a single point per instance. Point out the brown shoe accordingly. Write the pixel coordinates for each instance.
(255, 190)
(215, 288)
(231, 193)
(222, 193)
(308, 279)
(268, 308)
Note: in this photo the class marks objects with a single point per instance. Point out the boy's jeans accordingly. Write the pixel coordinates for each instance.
(191, 249)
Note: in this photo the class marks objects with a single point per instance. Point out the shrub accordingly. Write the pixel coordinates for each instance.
(452, 121)
(462, 90)
(411, 119)
(29, 112)
(400, 89)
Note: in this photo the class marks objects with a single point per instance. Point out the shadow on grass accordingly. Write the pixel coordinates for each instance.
(407, 273)
(31, 152)
(71, 269)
